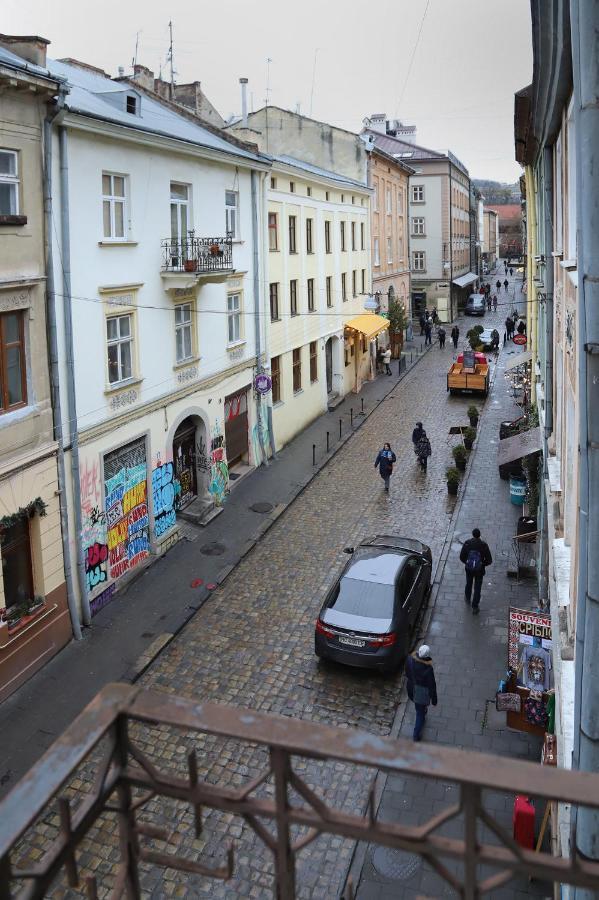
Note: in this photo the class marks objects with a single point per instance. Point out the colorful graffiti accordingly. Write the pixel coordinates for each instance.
(93, 525)
(101, 600)
(164, 493)
(261, 437)
(219, 470)
(127, 519)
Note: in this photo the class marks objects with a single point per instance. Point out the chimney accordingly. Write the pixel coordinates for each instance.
(244, 102)
(29, 47)
(144, 77)
(378, 122)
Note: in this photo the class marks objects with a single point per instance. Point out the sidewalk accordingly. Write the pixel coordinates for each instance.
(470, 657)
(129, 633)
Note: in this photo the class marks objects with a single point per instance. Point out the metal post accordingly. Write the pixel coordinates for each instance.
(362, 402)
(328, 436)
(284, 860)
(126, 819)
(313, 454)
(351, 416)
(340, 427)
(410, 357)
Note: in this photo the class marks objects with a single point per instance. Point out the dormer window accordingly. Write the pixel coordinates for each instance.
(132, 104)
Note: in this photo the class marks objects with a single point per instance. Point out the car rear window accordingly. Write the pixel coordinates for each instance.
(364, 598)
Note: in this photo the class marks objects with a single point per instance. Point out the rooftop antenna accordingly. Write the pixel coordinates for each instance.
(268, 62)
(170, 59)
(313, 80)
(134, 63)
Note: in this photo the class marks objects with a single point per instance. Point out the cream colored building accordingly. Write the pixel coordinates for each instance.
(389, 179)
(34, 617)
(491, 238)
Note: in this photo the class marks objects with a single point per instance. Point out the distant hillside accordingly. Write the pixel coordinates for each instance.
(498, 192)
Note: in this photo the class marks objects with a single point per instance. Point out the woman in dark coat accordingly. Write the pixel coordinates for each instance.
(422, 688)
(385, 459)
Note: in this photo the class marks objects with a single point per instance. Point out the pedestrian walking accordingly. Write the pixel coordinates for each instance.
(475, 555)
(498, 286)
(511, 273)
(417, 433)
(422, 449)
(521, 329)
(422, 687)
(506, 284)
(435, 316)
(455, 336)
(428, 332)
(384, 460)
(509, 327)
(494, 302)
(488, 303)
(441, 334)
(387, 360)
(422, 321)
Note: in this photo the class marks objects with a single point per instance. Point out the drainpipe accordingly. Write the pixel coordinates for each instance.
(531, 266)
(257, 309)
(585, 53)
(53, 359)
(65, 236)
(453, 318)
(547, 338)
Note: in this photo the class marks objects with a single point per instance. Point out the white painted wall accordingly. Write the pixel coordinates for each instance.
(432, 243)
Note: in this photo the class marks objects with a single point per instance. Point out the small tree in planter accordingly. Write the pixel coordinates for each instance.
(469, 438)
(460, 456)
(453, 480)
(398, 321)
(473, 415)
(474, 336)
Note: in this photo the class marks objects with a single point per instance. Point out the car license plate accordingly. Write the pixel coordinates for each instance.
(351, 642)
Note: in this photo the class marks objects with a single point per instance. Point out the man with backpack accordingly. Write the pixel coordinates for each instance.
(475, 555)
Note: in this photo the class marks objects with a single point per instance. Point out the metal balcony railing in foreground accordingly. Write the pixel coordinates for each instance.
(286, 818)
(199, 255)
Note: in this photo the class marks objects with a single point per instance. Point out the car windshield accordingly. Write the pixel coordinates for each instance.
(364, 598)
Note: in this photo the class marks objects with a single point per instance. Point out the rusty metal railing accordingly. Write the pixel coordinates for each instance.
(127, 780)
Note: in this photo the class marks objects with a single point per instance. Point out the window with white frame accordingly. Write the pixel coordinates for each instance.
(234, 317)
(9, 183)
(375, 196)
(419, 260)
(418, 226)
(417, 193)
(362, 245)
(179, 212)
(232, 214)
(114, 203)
(389, 250)
(119, 341)
(389, 202)
(377, 257)
(183, 332)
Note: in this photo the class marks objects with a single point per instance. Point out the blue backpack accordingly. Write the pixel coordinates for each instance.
(474, 562)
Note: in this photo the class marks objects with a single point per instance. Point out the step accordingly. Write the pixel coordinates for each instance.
(334, 401)
(200, 512)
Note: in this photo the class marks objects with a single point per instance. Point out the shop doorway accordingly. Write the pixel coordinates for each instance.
(236, 427)
(418, 303)
(328, 354)
(186, 458)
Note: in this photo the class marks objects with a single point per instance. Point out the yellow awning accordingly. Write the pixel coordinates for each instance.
(368, 324)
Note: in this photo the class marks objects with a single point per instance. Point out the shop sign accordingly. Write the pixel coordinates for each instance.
(529, 647)
(263, 383)
(519, 339)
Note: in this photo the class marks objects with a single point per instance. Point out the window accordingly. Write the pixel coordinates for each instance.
(292, 234)
(329, 286)
(273, 232)
(293, 297)
(389, 202)
(231, 214)
(9, 183)
(418, 226)
(342, 228)
(183, 332)
(377, 256)
(417, 193)
(274, 302)
(309, 191)
(389, 250)
(354, 283)
(363, 281)
(179, 211)
(275, 374)
(13, 374)
(362, 244)
(343, 198)
(113, 206)
(419, 260)
(343, 286)
(313, 361)
(375, 196)
(273, 184)
(297, 370)
(327, 236)
(120, 348)
(132, 104)
(310, 295)
(326, 195)
(353, 235)
(17, 570)
(292, 187)
(309, 245)
(353, 199)
(234, 317)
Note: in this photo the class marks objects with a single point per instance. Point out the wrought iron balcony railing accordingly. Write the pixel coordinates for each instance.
(197, 254)
(124, 800)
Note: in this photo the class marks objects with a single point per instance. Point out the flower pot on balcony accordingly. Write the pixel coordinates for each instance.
(190, 265)
(215, 250)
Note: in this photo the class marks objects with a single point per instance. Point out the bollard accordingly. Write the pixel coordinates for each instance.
(399, 367)
(421, 346)
(410, 357)
(313, 454)
(504, 338)
(328, 435)
(362, 402)
(340, 427)
(351, 416)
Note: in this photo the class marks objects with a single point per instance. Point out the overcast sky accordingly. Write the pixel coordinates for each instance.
(459, 91)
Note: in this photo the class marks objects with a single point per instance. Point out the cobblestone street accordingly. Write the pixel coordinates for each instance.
(251, 644)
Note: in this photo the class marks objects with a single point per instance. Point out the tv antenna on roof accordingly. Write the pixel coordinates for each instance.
(268, 62)
(134, 62)
(170, 59)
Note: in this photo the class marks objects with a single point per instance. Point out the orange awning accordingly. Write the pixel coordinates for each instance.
(368, 324)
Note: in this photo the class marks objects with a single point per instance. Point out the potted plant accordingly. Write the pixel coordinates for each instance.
(190, 265)
(35, 604)
(453, 480)
(473, 415)
(469, 437)
(459, 456)
(214, 250)
(474, 337)
(15, 613)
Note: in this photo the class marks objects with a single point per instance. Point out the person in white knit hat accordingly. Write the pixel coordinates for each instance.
(422, 688)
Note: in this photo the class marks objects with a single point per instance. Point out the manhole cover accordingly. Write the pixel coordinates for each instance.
(395, 864)
(213, 549)
(261, 507)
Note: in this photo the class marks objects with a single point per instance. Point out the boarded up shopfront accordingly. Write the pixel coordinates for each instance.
(126, 504)
(236, 426)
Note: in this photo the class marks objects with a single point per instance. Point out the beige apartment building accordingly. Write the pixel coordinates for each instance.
(389, 179)
(491, 238)
(34, 617)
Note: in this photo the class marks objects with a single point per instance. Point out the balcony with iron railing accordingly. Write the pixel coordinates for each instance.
(150, 793)
(202, 257)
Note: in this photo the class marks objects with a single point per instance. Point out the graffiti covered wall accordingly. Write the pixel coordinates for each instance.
(127, 519)
(164, 493)
(219, 470)
(93, 536)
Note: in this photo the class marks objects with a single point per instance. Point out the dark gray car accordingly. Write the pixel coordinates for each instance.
(369, 613)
